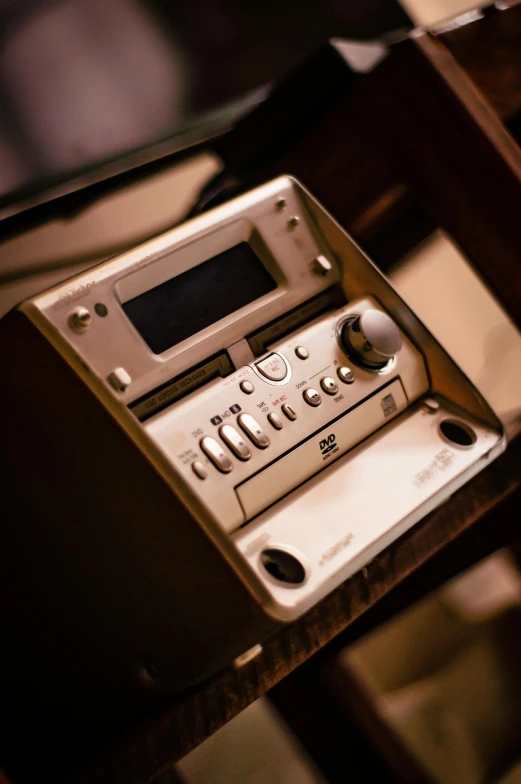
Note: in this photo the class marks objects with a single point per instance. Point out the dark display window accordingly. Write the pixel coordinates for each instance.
(199, 297)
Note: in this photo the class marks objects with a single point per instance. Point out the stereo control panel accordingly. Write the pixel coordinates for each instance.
(289, 398)
(244, 441)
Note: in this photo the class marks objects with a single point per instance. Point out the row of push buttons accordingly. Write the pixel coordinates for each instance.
(329, 385)
(276, 422)
(233, 439)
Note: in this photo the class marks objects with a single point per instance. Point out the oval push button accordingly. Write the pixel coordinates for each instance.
(216, 454)
(235, 441)
(275, 421)
(199, 469)
(253, 430)
(273, 367)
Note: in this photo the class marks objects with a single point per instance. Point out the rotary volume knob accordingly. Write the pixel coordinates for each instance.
(372, 339)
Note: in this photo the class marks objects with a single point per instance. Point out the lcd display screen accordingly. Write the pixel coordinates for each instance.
(199, 297)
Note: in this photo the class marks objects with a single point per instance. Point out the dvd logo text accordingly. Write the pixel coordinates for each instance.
(328, 444)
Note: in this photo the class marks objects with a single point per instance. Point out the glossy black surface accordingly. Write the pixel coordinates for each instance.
(201, 296)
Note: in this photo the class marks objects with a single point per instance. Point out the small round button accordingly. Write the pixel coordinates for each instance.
(329, 385)
(346, 375)
(312, 397)
(199, 469)
(301, 352)
(80, 318)
(247, 387)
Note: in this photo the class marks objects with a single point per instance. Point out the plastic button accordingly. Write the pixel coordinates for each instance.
(247, 387)
(288, 412)
(329, 385)
(346, 375)
(119, 379)
(217, 455)
(275, 421)
(235, 441)
(199, 469)
(301, 352)
(321, 265)
(312, 397)
(253, 430)
(273, 367)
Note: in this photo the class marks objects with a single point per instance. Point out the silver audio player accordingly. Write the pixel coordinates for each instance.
(226, 423)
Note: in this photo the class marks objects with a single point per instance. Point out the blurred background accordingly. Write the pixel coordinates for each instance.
(85, 82)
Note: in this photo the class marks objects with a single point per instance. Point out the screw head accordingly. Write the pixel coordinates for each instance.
(281, 203)
(293, 222)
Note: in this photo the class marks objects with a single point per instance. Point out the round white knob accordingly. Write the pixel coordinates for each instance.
(372, 338)
(80, 319)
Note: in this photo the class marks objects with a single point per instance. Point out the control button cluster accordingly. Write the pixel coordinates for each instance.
(236, 443)
(274, 368)
(328, 385)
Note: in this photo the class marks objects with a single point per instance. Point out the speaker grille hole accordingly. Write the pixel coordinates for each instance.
(283, 566)
(458, 433)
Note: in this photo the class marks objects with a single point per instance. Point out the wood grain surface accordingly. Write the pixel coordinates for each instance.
(488, 50)
(367, 183)
(455, 154)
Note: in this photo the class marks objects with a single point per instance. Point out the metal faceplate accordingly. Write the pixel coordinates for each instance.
(345, 516)
(293, 453)
(110, 341)
(357, 459)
